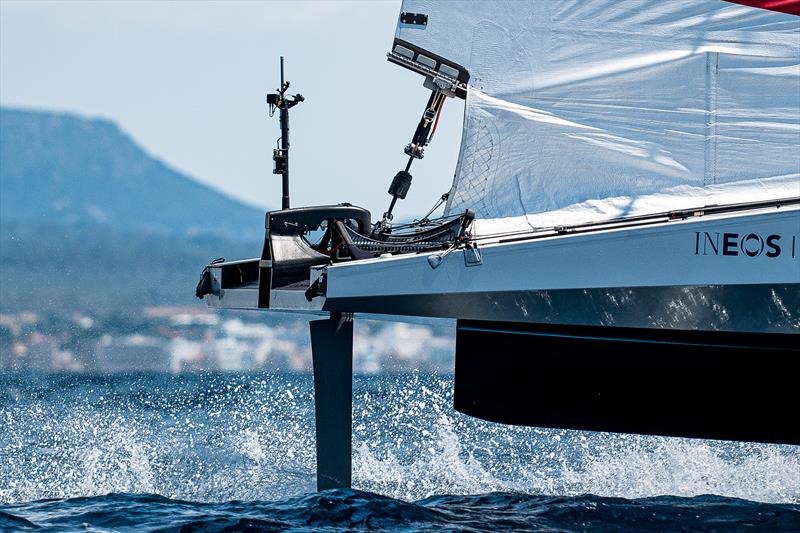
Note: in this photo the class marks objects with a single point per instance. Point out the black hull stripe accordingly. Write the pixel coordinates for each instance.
(773, 308)
(627, 340)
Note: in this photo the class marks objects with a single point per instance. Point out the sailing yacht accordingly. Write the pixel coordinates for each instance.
(620, 246)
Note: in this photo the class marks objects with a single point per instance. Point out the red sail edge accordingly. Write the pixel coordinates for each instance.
(785, 6)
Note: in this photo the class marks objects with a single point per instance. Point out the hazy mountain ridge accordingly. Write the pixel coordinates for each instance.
(91, 222)
(65, 169)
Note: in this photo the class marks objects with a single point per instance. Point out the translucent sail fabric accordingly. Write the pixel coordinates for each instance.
(582, 111)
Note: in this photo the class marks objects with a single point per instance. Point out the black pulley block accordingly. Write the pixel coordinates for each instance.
(400, 184)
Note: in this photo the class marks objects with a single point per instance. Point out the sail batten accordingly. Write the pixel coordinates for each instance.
(573, 104)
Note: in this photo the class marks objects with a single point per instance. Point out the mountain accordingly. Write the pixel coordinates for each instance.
(64, 169)
(90, 222)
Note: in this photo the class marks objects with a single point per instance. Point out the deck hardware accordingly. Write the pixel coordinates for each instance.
(414, 19)
(472, 255)
(436, 259)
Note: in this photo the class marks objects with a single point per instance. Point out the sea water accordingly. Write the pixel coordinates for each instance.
(216, 452)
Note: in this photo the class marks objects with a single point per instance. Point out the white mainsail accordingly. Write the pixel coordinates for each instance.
(584, 111)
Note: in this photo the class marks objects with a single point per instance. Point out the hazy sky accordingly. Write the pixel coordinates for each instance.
(188, 81)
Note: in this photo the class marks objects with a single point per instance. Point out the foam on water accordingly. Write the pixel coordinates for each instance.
(452, 453)
(250, 437)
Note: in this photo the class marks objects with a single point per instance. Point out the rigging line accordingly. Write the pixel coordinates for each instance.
(436, 122)
(434, 208)
(419, 239)
(415, 223)
(332, 250)
(434, 102)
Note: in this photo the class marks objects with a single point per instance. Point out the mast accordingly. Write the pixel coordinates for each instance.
(280, 155)
(284, 121)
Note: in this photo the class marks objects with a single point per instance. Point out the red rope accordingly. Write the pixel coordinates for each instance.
(439, 114)
(332, 250)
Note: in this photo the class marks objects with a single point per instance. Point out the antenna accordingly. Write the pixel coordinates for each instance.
(280, 154)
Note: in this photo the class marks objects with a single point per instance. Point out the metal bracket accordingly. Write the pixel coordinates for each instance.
(441, 84)
(416, 19)
(472, 256)
(431, 65)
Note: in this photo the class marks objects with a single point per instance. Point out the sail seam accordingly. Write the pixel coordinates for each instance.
(712, 92)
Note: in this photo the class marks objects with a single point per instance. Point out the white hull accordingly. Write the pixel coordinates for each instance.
(668, 274)
(736, 271)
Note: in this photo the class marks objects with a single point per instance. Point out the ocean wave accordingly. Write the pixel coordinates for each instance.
(217, 438)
